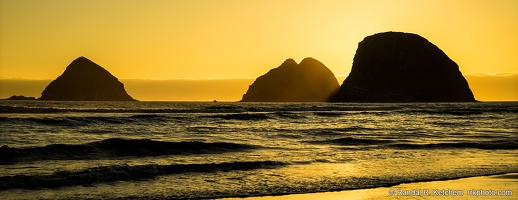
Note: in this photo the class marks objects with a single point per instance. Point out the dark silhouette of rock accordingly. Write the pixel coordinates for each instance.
(83, 80)
(21, 97)
(402, 67)
(309, 81)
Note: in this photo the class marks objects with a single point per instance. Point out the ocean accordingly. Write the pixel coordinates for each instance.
(193, 150)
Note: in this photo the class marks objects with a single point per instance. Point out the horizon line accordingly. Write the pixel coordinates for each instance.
(237, 78)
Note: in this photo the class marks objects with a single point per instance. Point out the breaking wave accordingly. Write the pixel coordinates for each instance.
(124, 173)
(114, 147)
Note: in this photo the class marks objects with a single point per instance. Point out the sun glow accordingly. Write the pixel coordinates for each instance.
(204, 39)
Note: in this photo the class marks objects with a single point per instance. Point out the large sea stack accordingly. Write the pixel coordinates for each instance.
(83, 80)
(403, 67)
(309, 81)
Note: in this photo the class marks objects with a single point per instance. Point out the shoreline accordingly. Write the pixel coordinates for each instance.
(501, 186)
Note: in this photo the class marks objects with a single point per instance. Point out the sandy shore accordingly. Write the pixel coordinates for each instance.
(486, 187)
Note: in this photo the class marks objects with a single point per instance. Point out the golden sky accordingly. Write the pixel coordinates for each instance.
(200, 39)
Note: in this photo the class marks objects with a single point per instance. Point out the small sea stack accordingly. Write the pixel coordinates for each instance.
(309, 81)
(21, 97)
(84, 80)
(402, 67)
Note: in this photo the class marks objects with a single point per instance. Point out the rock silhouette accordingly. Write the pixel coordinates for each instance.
(21, 97)
(402, 67)
(309, 81)
(83, 80)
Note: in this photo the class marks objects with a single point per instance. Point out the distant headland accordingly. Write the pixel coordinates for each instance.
(83, 80)
(309, 81)
(402, 67)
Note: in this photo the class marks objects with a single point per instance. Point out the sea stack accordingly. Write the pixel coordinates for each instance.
(21, 97)
(83, 80)
(309, 81)
(402, 67)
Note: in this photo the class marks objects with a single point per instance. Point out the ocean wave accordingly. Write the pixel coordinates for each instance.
(404, 144)
(124, 173)
(148, 117)
(23, 109)
(113, 148)
(20, 109)
(353, 141)
(329, 114)
(289, 115)
(341, 130)
(42, 110)
(72, 121)
(458, 112)
(491, 145)
(240, 116)
(225, 108)
(321, 109)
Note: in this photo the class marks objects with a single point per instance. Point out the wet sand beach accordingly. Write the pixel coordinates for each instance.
(482, 187)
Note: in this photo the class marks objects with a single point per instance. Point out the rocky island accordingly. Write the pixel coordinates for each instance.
(83, 80)
(402, 67)
(309, 81)
(21, 97)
